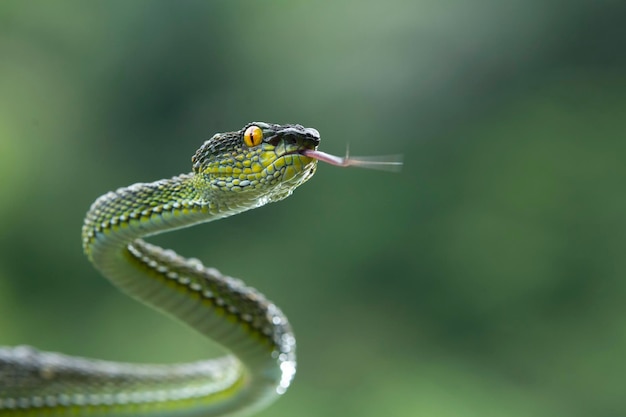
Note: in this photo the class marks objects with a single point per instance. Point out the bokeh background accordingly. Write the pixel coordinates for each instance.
(488, 278)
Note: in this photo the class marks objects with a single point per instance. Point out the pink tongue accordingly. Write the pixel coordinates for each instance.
(384, 163)
(326, 157)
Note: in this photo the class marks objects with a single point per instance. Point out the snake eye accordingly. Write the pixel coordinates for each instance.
(253, 136)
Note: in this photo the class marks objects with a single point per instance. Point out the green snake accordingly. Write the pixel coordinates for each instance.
(232, 172)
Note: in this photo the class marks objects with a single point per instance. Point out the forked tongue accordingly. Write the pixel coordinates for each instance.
(391, 163)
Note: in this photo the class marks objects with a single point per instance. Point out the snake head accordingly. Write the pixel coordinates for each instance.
(264, 161)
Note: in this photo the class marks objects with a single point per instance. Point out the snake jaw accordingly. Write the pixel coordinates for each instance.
(288, 144)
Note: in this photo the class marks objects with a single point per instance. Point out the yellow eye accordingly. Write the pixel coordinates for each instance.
(253, 136)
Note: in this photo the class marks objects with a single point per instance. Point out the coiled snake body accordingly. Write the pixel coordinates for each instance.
(232, 172)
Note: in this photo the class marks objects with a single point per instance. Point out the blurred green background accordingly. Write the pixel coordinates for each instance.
(486, 279)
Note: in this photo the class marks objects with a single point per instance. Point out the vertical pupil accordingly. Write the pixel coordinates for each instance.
(253, 136)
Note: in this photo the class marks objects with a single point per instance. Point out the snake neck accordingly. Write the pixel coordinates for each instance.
(144, 209)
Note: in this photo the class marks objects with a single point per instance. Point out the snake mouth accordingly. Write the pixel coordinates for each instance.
(297, 147)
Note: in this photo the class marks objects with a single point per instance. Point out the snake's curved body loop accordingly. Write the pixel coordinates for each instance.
(232, 172)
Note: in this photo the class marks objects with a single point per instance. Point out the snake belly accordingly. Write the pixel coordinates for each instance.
(232, 172)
